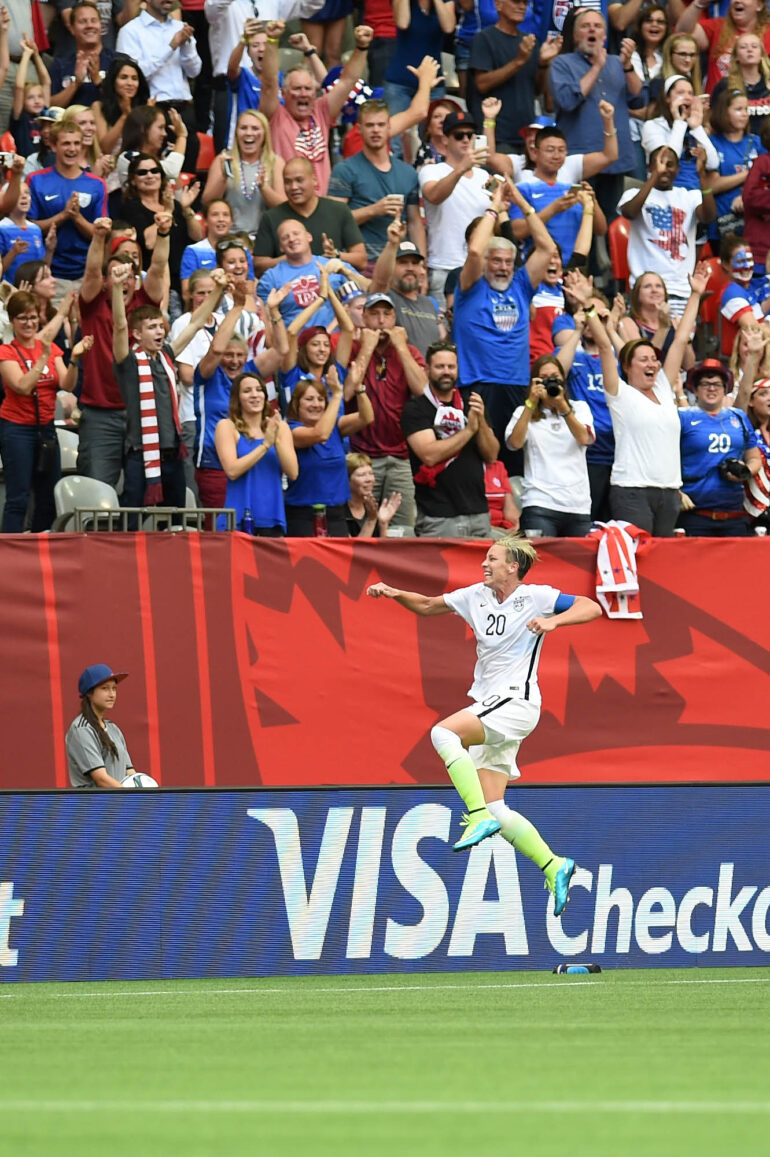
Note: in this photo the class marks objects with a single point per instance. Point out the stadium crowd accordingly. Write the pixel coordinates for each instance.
(356, 268)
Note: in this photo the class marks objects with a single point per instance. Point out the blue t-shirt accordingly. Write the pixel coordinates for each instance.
(259, 490)
(201, 255)
(562, 227)
(361, 183)
(35, 250)
(289, 378)
(423, 37)
(50, 194)
(586, 384)
(734, 157)
(211, 400)
(706, 440)
(472, 20)
(491, 328)
(323, 473)
(304, 282)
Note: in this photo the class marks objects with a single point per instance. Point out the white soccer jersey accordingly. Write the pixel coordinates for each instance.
(507, 653)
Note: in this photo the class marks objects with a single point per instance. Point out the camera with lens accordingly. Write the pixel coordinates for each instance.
(552, 386)
(732, 468)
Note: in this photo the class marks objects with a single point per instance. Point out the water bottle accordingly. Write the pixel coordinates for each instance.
(320, 526)
(247, 522)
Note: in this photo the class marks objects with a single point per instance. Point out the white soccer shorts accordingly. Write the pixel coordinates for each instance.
(506, 723)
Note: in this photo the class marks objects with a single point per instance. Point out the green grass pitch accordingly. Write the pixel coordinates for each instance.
(626, 1063)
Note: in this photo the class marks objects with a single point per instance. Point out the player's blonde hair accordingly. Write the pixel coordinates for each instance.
(518, 550)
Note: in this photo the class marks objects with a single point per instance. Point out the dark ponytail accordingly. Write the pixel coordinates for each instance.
(88, 713)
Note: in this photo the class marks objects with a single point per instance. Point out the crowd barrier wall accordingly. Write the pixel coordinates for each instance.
(141, 885)
(262, 663)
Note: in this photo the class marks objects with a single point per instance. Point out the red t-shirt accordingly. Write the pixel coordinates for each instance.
(378, 14)
(20, 408)
(99, 385)
(388, 388)
(496, 486)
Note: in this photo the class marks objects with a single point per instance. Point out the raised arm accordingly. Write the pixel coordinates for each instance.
(120, 343)
(423, 605)
(579, 289)
(427, 73)
(352, 71)
(482, 234)
(698, 284)
(270, 98)
(155, 281)
(198, 319)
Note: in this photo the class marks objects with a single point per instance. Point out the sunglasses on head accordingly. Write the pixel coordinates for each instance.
(229, 243)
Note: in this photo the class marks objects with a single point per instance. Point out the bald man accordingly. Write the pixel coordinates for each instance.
(299, 266)
(330, 223)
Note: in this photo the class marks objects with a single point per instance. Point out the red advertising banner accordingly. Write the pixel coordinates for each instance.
(257, 661)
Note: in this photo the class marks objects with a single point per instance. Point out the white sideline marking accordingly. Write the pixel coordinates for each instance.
(345, 989)
(365, 1108)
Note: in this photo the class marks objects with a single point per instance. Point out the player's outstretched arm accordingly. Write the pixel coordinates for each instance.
(418, 604)
(583, 610)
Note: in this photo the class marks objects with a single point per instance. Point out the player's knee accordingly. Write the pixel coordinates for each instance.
(447, 744)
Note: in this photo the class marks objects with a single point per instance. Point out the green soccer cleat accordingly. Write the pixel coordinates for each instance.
(477, 829)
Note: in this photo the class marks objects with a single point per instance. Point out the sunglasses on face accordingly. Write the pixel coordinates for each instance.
(147, 172)
(462, 136)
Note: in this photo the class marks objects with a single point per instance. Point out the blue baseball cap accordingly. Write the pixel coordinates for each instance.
(98, 673)
(537, 123)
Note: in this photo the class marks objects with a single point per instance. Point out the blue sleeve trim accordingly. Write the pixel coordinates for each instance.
(563, 603)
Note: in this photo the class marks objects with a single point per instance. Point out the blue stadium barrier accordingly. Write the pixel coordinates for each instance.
(151, 884)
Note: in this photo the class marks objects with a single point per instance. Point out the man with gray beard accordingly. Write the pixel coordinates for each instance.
(397, 273)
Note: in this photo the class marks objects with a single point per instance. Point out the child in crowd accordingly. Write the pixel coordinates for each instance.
(29, 100)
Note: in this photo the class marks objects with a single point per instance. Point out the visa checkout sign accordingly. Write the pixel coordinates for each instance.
(139, 885)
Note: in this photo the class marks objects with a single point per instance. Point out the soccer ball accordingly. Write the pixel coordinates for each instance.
(138, 779)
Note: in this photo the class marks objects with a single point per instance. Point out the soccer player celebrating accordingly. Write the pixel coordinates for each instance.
(479, 743)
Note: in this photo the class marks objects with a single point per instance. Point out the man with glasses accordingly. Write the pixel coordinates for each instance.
(449, 442)
(376, 186)
(454, 193)
(720, 451)
(70, 199)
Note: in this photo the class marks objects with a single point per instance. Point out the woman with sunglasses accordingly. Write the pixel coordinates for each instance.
(32, 371)
(146, 194)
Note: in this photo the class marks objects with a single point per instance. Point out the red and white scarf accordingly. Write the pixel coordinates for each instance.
(450, 419)
(148, 416)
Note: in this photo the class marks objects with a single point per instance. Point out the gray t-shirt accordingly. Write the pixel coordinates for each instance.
(419, 318)
(85, 753)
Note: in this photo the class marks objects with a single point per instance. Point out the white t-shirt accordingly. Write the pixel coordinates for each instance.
(646, 436)
(662, 237)
(448, 221)
(193, 353)
(507, 653)
(555, 470)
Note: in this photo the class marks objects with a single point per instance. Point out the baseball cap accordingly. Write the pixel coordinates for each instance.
(742, 258)
(98, 673)
(409, 249)
(54, 113)
(378, 299)
(458, 120)
(709, 368)
(309, 332)
(542, 122)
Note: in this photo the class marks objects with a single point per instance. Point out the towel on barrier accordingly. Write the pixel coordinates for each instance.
(617, 585)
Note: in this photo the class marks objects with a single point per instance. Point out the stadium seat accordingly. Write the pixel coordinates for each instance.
(618, 241)
(711, 314)
(206, 152)
(73, 491)
(68, 448)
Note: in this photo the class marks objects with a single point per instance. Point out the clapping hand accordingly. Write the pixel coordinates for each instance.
(186, 197)
(83, 346)
(388, 508)
(272, 426)
(550, 50)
